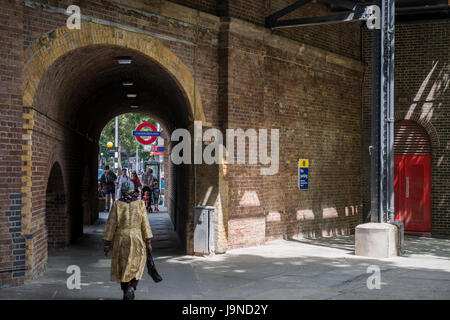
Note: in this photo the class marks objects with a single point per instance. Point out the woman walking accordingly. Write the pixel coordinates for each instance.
(129, 227)
(136, 181)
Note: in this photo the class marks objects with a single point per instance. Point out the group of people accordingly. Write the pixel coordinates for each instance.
(127, 229)
(147, 187)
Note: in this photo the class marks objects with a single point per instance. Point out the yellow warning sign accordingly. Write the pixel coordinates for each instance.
(303, 163)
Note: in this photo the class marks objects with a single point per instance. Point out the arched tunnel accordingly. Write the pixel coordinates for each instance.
(82, 91)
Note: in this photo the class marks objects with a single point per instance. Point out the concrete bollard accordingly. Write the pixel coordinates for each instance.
(376, 240)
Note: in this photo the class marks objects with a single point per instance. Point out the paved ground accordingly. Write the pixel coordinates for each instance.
(296, 269)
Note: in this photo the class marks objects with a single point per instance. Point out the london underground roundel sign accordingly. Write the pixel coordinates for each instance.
(139, 134)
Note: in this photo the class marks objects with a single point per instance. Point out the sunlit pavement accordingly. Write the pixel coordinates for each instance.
(295, 269)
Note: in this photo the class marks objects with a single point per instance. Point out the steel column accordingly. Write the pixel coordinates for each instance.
(374, 148)
(386, 169)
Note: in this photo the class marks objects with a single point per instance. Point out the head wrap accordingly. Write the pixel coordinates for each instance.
(127, 190)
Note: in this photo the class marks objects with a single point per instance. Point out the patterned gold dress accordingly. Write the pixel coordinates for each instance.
(128, 225)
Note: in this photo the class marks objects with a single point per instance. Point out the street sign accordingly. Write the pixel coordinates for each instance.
(303, 168)
(138, 133)
(158, 149)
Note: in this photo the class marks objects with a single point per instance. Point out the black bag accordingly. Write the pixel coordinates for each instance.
(151, 268)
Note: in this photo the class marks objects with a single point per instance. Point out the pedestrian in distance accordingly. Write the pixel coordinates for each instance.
(107, 182)
(148, 179)
(155, 194)
(122, 179)
(136, 181)
(147, 185)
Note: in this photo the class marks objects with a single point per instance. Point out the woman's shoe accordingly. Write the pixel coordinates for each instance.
(129, 294)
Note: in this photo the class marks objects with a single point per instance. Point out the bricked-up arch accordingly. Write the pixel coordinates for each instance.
(55, 209)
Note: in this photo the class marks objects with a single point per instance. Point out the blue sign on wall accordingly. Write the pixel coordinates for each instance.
(303, 179)
(146, 133)
(303, 167)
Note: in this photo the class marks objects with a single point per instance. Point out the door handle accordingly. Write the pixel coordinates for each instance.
(407, 187)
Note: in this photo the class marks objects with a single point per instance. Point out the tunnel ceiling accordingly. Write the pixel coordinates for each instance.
(84, 90)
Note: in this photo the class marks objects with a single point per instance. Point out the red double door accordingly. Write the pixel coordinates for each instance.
(412, 184)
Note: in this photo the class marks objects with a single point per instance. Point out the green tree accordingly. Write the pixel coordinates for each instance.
(128, 143)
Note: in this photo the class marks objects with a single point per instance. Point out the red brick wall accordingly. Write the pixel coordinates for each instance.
(421, 94)
(51, 220)
(39, 20)
(245, 81)
(12, 243)
(209, 6)
(339, 38)
(316, 107)
(49, 135)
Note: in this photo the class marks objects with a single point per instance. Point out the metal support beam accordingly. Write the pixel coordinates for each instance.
(374, 148)
(407, 12)
(357, 12)
(270, 20)
(386, 169)
(351, 5)
(423, 9)
(382, 135)
(337, 18)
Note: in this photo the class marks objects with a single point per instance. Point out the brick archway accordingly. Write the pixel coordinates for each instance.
(52, 234)
(40, 55)
(39, 58)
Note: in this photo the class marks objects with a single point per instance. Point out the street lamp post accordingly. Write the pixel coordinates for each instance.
(116, 141)
(109, 145)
